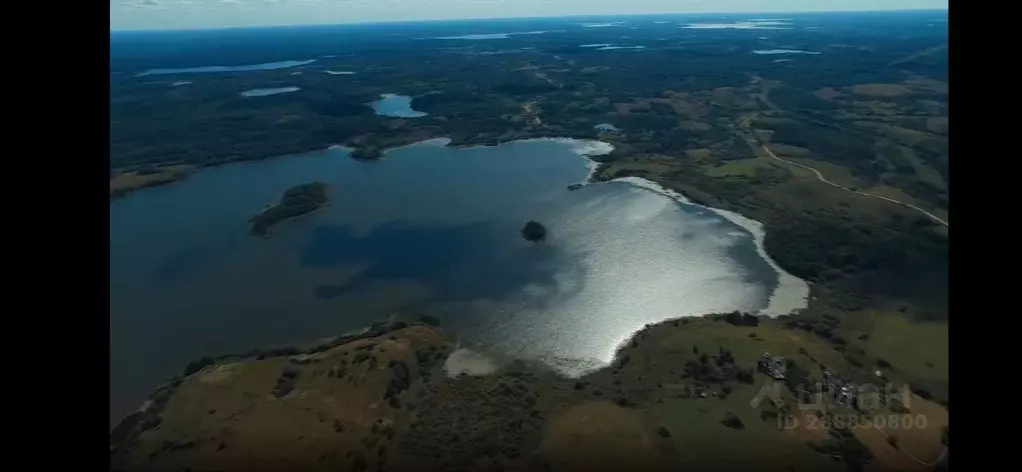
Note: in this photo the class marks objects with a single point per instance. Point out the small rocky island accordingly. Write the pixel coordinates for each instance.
(534, 231)
(296, 201)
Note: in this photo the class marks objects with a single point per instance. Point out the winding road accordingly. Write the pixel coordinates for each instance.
(940, 457)
(824, 180)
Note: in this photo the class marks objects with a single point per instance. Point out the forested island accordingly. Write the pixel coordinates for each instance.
(296, 201)
(534, 231)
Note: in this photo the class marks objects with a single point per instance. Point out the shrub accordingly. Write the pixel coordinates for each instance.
(198, 365)
(430, 320)
(360, 357)
(922, 392)
(732, 420)
(745, 376)
(359, 464)
(663, 432)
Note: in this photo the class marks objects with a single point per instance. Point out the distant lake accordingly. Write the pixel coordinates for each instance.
(428, 229)
(782, 51)
(606, 127)
(609, 48)
(751, 24)
(213, 69)
(398, 106)
(476, 37)
(339, 72)
(262, 92)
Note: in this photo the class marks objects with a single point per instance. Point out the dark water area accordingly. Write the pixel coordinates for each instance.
(426, 230)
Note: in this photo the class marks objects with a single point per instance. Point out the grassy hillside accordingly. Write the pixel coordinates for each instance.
(677, 397)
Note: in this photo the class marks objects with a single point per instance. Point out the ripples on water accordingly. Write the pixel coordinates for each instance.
(636, 257)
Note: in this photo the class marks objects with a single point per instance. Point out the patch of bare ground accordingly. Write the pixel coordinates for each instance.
(124, 182)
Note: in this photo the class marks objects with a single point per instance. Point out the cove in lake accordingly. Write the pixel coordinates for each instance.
(214, 69)
(428, 229)
(398, 106)
(262, 92)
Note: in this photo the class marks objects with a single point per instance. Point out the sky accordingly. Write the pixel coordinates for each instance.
(190, 14)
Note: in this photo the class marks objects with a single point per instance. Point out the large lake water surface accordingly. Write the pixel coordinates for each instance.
(429, 229)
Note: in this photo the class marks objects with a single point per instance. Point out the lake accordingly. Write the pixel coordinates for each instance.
(483, 36)
(262, 92)
(428, 229)
(751, 24)
(611, 48)
(216, 69)
(783, 51)
(398, 106)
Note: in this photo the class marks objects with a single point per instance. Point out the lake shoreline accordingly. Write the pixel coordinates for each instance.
(590, 150)
(791, 294)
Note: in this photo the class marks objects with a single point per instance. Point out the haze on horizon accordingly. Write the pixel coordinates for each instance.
(209, 14)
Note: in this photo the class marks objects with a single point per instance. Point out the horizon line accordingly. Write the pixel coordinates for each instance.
(607, 15)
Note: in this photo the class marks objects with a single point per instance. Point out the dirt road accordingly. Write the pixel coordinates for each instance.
(824, 180)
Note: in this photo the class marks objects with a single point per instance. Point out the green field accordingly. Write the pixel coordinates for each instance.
(703, 443)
